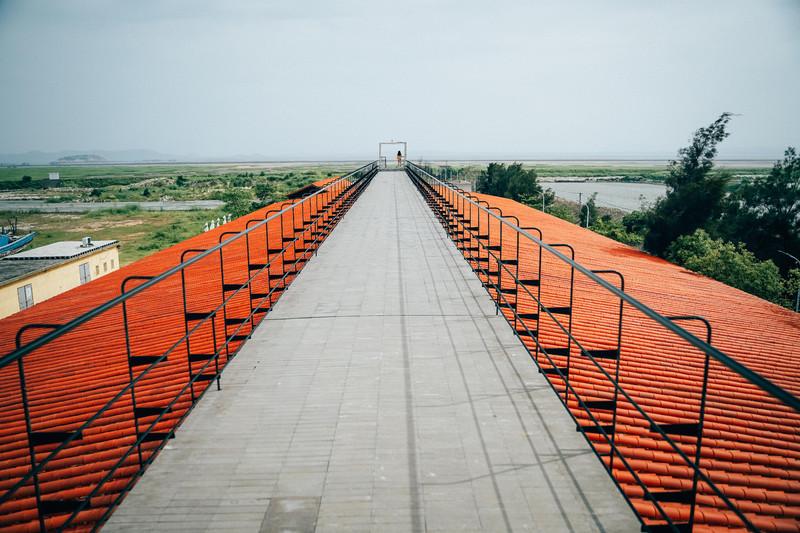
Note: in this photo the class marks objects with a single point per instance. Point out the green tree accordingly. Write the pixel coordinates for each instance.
(493, 180)
(510, 181)
(764, 213)
(729, 263)
(521, 183)
(26, 180)
(636, 222)
(694, 192)
(265, 191)
(237, 201)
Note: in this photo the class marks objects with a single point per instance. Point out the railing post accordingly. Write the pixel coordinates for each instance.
(315, 224)
(26, 410)
(538, 297)
(215, 352)
(701, 414)
(31, 449)
(130, 365)
(616, 366)
(569, 326)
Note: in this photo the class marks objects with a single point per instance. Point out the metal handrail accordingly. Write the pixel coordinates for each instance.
(456, 203)
(568, 386)
(77, 321)
(58, 330)
(753, 377)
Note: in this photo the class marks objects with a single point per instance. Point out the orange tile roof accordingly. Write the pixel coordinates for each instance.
(72, 377)
(751, 443)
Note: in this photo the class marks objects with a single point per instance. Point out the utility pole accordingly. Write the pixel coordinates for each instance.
(580, 206)
(797, 299)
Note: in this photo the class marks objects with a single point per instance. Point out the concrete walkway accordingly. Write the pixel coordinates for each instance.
(382, 394)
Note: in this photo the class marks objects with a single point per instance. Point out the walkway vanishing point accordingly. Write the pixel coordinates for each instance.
(381, 394)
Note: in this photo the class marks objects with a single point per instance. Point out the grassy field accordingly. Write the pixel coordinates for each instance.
(156, 182)
(145, 171)
(144, 232)
(140, 232)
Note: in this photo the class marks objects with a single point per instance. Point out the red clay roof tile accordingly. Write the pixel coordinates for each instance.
(751, 443)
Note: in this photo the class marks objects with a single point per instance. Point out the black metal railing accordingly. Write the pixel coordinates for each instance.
(477, 229)
(299, 227)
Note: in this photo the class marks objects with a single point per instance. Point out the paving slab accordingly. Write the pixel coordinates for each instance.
(383, 393)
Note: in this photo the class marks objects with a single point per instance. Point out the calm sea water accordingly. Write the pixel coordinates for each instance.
(625, 196)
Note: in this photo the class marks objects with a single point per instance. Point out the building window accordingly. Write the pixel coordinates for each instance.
(25, 295)
(97, 270)
(105, 266)
(112, 264)
(86, 275)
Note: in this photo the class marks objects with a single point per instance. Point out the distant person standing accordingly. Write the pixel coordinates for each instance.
(399, 158)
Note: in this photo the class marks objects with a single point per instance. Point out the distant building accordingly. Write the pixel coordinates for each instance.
(54, 179)
(33, 276)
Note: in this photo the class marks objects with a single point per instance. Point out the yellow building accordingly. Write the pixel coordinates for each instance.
(35, 275)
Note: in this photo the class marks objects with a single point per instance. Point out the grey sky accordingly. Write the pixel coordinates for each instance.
(455, 78)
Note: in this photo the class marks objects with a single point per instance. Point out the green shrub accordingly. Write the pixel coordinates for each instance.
(729, 263)
(563, 212)
(238, 202)
(614, 229)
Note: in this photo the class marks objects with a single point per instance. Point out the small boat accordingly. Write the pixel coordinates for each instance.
(10, 244)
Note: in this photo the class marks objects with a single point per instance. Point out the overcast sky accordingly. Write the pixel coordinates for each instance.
(455, 78)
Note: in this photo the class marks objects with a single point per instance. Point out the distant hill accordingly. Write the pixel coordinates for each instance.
(84, 156)
(79, 158)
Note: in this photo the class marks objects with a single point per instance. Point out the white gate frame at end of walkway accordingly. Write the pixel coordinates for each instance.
(382, 160)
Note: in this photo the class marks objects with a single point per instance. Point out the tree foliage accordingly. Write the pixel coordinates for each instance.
(792, 289)
(636, 222)
(510, 181)
(729, 263)
(535, 200)
(563, 211)
(694, 192)
(764, 213)
(615, 229)
(265, 191)
(237, 201)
